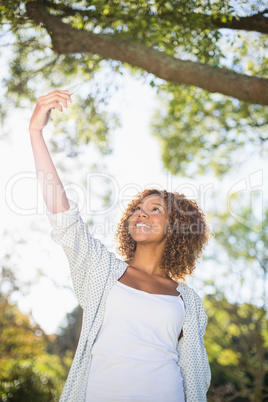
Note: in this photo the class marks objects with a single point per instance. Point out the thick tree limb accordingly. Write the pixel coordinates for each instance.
(66, 39)
(257, 22)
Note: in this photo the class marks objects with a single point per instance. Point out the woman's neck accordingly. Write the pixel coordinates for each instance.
(148, 259)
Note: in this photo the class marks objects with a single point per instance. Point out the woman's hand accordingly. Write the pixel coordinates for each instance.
(44, 105)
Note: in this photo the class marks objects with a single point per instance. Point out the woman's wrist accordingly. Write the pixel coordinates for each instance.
(35, 132)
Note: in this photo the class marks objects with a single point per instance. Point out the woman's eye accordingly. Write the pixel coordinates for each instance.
(137, 208)
(156, 209)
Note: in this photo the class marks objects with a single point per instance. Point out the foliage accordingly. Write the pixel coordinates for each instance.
(192, 123)
(27, 370)
(244, 239)
(199, 131)
(236, 341)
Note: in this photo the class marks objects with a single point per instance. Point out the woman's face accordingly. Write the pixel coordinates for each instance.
(149, 221)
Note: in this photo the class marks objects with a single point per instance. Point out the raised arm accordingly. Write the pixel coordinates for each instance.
(48, 178)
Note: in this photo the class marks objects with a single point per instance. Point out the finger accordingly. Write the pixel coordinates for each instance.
(45, 108)
(57, 94)
(56, 98)
(62, 92)
(56, 105)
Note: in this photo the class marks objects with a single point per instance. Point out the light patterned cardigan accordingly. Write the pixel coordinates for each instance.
(94, 271)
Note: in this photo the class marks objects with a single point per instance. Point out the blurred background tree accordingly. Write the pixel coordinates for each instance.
(30, 366)
(236, 341)
(246, 244)
(28, 369)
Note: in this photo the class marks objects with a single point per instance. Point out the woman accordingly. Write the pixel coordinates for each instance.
(142, 332)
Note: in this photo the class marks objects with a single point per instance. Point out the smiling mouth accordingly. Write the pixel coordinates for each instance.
(142, 225)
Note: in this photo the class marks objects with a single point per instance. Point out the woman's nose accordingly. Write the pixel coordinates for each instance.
(143, 213)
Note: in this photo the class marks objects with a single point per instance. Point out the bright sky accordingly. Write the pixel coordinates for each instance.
(134, 165)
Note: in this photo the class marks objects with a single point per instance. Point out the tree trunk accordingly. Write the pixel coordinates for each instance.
(66, 39)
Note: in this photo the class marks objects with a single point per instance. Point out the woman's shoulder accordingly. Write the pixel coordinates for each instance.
(187, 291)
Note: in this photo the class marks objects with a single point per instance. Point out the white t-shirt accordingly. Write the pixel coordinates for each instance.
(134, 357)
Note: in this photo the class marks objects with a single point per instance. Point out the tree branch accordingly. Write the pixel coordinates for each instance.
(257, 22)
(66, 40)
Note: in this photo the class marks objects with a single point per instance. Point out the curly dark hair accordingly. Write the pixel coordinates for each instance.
(187, 233)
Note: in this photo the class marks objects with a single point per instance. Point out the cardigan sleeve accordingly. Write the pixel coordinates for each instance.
(85, 254)
(193, 359)
(202, 319)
